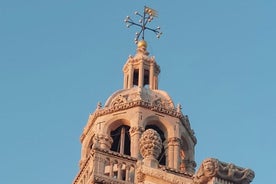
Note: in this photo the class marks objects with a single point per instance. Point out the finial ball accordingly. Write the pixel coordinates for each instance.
(142, 43)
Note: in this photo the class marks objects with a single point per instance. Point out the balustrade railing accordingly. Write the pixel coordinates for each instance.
(104, 166)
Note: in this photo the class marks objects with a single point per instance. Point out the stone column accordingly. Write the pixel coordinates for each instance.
(125, 80)
(127, 173)
(170, 151)
(135, 134)
(176, 145)
(141, 75)
(119, 166)
(173, 150)
(111, 171)
(130, 76)
(151, 78)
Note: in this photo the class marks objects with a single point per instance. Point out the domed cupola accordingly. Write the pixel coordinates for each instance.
(141, 70)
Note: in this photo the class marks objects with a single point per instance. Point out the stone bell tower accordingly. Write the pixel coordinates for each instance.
(140, 136)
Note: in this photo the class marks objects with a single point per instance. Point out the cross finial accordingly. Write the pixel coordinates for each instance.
(145, 18)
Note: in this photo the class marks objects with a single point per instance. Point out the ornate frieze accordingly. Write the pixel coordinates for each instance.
(211, 168)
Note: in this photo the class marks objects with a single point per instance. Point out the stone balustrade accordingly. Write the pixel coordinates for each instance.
(104, 166)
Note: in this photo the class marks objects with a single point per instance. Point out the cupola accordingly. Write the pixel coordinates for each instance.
(141, 70)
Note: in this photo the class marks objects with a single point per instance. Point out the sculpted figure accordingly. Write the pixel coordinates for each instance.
(206, 172)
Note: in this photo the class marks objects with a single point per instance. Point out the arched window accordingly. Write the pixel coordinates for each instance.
(162, 156)
(121, 140)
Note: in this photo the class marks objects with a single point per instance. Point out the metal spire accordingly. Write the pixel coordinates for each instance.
(145, 18)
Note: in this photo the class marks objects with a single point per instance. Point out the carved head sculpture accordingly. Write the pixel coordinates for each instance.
(207, 170)
(210, 167)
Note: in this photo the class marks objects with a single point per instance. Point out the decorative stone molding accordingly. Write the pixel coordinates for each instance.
(136, 130)
(150, 144)
(206, 172)
(174, 141)
(140, 176)
(119, 100)
(101, 179)
(128, 103)
(166, 176)
(211, 168)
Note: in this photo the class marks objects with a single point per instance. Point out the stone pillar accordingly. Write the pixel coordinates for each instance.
(126, 80)
(130, 76)
(111, 171)
(127, 173)
(141, 75)
(98, 163)
(119, 166)
(173, 150)
(151, 77)
(170, 150)
(135, 134)
(176, 153)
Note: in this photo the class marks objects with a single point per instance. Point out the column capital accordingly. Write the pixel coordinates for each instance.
(136, 130)
(174, 141)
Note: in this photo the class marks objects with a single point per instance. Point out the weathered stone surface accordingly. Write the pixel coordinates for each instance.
(211, 168)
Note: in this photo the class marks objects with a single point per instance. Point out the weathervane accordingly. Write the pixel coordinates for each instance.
(147, 17)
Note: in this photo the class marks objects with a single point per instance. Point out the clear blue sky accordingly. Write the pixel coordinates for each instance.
(58, 58)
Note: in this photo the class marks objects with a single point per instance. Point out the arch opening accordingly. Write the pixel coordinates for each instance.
(121, 140)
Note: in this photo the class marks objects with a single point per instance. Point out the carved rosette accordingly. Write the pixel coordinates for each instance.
(150, 144)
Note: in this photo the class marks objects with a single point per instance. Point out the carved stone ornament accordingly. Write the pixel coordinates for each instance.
(136, 130)
(119, 100)
(214, 168)
(206, 172)
(150, 144)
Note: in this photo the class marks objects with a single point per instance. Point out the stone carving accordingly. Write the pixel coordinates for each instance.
(174, 141)
(214, 168)
(206, 172)
(102, 141)
(162, 174)
(119, 100)
(140, 176)
(150, 144)
(235, 173)
(136, 130)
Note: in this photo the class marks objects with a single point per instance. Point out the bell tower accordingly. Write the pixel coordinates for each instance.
(139, 136)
